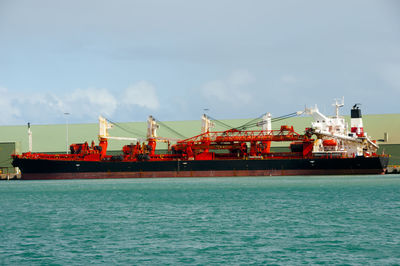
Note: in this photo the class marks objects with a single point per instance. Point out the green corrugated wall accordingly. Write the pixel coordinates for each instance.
(6, 149)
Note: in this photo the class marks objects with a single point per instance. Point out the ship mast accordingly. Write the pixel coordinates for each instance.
(338, 105)
(266, 122)
(206, 124)
(152, 127)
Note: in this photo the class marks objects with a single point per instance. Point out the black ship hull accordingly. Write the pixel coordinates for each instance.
(64, 169)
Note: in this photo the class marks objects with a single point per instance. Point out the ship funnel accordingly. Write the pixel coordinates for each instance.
(356, 121)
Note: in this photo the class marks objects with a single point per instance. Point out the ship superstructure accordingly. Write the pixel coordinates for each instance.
(334, 137)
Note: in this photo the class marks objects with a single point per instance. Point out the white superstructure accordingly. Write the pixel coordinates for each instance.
(334, 137)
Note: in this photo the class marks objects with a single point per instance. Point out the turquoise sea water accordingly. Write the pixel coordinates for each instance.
(263, 220)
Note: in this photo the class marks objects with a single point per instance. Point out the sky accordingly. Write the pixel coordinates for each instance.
(127, 59)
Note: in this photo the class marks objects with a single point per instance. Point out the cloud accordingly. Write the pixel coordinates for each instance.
(90, 102)
(7, 103)
(82, 104)
(21, 108)
(233, 89)
(142, 94)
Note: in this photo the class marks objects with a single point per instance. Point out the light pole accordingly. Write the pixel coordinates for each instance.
(29, 138)
(66, 124)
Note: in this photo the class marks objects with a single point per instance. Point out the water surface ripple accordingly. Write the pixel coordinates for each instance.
(263, 220)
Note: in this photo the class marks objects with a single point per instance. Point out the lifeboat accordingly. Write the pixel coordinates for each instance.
(329, 142)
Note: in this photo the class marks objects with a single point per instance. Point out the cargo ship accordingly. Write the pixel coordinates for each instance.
(328, 147)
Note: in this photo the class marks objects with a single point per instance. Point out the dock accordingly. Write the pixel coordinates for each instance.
(10, 176)
(393, 169)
